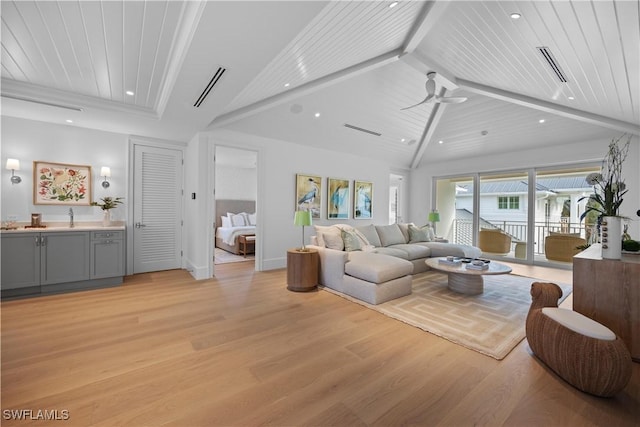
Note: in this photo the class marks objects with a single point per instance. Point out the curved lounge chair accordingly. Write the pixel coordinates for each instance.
(586, 354)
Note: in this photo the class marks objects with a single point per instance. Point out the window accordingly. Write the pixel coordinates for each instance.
(508, 202)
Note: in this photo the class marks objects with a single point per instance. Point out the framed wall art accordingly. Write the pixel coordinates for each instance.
(362, 200)
(61, 184)
(309, 194)
(337, 198)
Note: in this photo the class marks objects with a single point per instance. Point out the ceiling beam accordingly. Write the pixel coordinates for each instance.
(306, 88)
(429, 15)
(429, 130)
(549, 107)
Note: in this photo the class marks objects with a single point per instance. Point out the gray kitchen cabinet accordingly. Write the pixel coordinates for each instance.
(64, 257)
(49, 262)
(107, 254)
(20, 260)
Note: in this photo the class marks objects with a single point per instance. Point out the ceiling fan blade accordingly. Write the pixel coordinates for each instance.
(451, 100)
(427, 99)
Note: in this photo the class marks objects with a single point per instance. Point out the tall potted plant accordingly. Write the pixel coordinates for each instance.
(107, 204)
(608, 191)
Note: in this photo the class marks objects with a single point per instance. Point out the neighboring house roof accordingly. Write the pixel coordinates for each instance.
(555, 184)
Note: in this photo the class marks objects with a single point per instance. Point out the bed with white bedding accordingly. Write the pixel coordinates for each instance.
(234, 218)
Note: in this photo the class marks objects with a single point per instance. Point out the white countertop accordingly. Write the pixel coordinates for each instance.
(58, 227)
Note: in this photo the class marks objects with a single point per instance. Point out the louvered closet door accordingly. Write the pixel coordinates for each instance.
(157, 232)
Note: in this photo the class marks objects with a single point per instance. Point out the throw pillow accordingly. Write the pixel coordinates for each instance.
(418, 234)
(370, 234)
(333, 240)
(226, 222)
(351, 241)
(237, 220)
(390, 235)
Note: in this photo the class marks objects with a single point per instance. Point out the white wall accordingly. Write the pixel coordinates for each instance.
(278, 164)
(559, 155)
(236, 183)
(28, 140)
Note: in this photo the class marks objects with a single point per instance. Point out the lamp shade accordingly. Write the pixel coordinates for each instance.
(302, 218)
(105, 171)
(13, 164)
(434, 216)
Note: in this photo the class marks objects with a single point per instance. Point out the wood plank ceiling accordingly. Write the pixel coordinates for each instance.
(356, 62)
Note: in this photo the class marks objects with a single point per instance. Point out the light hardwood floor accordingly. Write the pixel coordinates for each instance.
(241, 350)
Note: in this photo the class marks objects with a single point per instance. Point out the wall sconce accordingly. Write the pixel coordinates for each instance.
(106, 173)
(14, 165)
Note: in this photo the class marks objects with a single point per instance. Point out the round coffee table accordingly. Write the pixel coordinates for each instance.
(467, 281)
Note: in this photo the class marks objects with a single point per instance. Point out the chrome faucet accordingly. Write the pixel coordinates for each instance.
(70, 217)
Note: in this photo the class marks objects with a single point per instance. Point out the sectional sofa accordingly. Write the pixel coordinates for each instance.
(375, 263)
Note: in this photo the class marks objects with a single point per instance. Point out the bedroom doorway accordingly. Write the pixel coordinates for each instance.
(236, 187)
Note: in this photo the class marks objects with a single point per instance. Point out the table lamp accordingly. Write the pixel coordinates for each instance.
(434, 216)
(302, 218)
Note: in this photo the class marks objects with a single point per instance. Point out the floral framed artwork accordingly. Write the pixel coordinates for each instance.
(362, 200)
(337, 198)
(61, 184)
(309, 194)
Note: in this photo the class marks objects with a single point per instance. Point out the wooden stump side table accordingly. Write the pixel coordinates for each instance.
(302, 270)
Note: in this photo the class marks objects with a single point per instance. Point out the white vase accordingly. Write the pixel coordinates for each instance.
(106, 219)
(611, 237)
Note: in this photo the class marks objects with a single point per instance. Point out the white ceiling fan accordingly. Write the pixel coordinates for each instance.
(430, 85)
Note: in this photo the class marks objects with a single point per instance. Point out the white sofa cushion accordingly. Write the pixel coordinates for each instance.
(370, 233)
(413, 251)
(390, 235)
(333, 240)
(398, 253)
(579, 323)
(376, 268)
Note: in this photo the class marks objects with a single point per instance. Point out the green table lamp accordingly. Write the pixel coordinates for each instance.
(434, 216)
(302, 218)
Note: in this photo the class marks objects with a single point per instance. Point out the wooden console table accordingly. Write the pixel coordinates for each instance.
(302, 270)
(608, 291)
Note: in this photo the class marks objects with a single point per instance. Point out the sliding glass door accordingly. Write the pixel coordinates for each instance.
(511, 215)
(504, 215)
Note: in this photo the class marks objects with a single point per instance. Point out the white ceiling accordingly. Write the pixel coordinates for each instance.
(355, 63)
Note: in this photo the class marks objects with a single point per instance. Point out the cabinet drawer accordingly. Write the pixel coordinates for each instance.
(108, 235)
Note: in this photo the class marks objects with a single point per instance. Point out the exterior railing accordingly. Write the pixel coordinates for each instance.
(463, 231)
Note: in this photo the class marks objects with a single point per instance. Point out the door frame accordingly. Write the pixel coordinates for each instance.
(149, 142)
(211, 200)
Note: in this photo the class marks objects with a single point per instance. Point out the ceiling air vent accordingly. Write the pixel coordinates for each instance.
(548, 56)
(347, 125)
(214, 80)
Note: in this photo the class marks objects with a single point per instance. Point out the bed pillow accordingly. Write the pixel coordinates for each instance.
(226, 221)
(237, 220)
(252, 218)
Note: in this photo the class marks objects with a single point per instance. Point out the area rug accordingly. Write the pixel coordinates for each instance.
(492, 323)
(223, 257)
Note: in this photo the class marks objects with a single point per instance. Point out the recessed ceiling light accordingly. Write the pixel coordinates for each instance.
(130, 93)
(570, 98)
(402, 140)
(69, 121)
(287, 84)
(393, 4)
(317, 114)
(541, 121)
(515, 15)
(440, 142)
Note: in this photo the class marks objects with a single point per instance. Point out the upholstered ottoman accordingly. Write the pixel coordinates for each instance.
(376, 278)
(585, 353)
